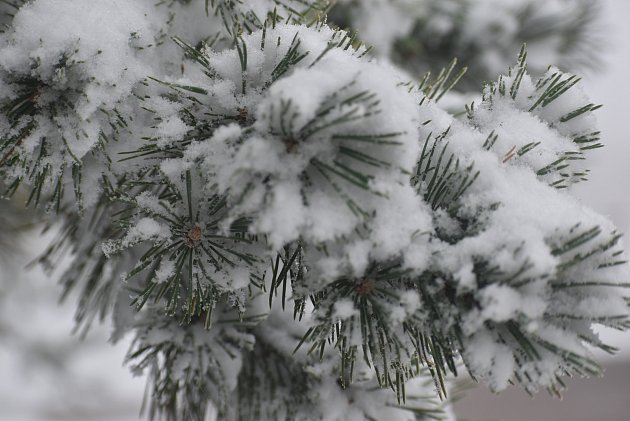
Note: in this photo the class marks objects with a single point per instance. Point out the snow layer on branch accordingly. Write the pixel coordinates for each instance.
(547, 125)
(417, 236)
(63, 84)
(307, 149)
(325, 398)
(325, 141)
(145, 229)
(525, 283)
(185, 234)
(60, 42)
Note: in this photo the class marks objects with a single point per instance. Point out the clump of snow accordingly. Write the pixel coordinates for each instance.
(324, 123)
(536, 128)
(165, 271)
(145, 229)
(63, 83)
(62, 41)
(490, 360)
(344, 309)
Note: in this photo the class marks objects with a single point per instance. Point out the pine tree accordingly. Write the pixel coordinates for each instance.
(292, 228)
(482, 34)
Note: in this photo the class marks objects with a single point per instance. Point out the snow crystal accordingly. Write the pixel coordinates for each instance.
(488, 358)
(240, 278)
(144, 229)
(165, 271)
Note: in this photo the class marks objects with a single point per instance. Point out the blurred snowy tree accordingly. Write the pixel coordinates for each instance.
(482, 34)
(294, 229)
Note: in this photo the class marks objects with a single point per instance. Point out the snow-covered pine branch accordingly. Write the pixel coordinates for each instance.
(293, 229)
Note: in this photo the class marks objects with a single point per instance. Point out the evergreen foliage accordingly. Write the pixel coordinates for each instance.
(482, 34)
(293, 229)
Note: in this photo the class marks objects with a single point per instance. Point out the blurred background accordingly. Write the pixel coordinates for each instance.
(48, 373)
